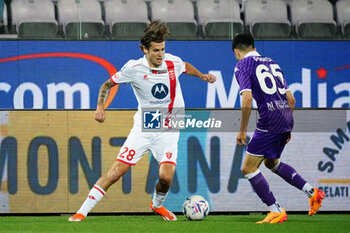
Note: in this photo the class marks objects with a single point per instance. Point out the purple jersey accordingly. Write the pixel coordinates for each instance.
(264, 78)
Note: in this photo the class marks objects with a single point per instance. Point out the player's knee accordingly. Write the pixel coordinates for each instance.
(245, 170)
(165, 180)
(248, 169)
(270, 163)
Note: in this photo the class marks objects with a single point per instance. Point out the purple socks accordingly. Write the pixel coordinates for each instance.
(261, 187)
(289, 174)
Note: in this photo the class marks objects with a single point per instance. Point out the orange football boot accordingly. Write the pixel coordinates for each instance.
(76, 218)
(316, 201)
(162, 211)
(273, 217)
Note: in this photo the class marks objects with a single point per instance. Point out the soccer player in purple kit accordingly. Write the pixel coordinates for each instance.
(261, 78)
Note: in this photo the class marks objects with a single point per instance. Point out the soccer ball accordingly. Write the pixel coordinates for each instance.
(195, 208)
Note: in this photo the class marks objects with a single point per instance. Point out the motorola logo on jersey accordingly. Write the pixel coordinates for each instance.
(160, 90)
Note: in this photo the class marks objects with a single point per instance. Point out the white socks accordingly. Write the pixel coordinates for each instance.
(158, 199)
(276, 208)
(251, 175)
(308, 190)
(94, 196)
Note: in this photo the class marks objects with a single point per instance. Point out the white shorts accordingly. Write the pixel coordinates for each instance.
(163, 146)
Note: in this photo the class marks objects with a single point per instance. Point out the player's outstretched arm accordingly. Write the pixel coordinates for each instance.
(100, 113)
(191, 70)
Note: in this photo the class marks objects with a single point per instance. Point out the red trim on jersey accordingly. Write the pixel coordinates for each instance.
(113, 80)
(136, 65)
(103, 193)
(167, 162)
(172, 79)
(131, 164)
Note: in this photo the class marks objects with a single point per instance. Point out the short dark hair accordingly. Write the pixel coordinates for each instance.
(156, 31)
(243, 41)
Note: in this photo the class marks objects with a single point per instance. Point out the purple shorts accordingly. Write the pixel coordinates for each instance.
(268, 145)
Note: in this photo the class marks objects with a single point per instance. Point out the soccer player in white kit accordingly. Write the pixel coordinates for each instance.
(154, 79)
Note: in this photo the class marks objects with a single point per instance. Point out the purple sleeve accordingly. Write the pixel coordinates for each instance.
(285, 84)
(242, 74)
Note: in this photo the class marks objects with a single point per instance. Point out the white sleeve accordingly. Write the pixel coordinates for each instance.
(179, 65)
(124, 75)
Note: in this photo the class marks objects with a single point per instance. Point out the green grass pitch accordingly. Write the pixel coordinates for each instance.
(296, 223)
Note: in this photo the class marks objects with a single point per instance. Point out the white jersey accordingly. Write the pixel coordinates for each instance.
(154, 87)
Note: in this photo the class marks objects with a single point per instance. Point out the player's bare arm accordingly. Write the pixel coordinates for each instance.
(291, 103)
(290, 99)
(247, 99)
(191, 70)
(100, 113)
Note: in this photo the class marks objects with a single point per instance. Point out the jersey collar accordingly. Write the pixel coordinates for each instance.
(145, 63)
(252, 54)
